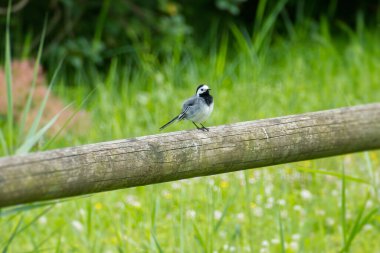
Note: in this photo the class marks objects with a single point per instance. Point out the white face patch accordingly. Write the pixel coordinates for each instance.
(202, 89)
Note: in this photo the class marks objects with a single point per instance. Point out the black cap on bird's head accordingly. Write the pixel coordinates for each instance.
(202, 90)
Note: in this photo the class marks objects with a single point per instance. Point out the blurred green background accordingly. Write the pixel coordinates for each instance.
(123, 69)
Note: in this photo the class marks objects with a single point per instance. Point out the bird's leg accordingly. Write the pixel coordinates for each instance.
(196, 126)
(204, 128)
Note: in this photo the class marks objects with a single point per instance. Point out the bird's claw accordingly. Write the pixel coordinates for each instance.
(204, 129)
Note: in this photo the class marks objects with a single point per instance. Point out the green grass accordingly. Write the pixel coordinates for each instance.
(301, 207)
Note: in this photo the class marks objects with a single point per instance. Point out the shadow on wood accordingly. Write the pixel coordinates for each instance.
(172, 156)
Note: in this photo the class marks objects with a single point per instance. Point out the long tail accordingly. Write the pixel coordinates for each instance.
(170, 122)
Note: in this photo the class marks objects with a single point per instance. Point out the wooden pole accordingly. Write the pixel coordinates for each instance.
(172, 156)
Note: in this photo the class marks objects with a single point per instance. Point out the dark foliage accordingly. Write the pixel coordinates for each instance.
(93, 31)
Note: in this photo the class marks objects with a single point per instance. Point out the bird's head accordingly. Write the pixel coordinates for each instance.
(202, 89)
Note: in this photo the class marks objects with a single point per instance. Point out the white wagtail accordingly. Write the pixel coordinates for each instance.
(196, 109)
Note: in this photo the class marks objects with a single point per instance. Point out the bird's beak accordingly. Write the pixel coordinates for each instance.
(209, 89)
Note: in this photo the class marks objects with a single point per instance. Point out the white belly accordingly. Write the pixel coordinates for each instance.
(203, 114)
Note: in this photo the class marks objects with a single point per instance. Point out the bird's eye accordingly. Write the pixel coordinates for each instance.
(201, 89)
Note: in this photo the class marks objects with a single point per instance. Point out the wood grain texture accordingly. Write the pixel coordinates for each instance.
(172, 156)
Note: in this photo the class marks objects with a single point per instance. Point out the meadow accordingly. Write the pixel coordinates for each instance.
(324, 205)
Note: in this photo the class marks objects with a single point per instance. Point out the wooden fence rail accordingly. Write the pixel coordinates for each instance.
(172, 156)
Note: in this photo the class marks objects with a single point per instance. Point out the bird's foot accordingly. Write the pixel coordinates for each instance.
(203, 128)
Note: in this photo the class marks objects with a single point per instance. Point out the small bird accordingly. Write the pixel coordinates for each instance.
(196, 109)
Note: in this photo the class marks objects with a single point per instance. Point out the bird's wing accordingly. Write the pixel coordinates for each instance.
(186, 106)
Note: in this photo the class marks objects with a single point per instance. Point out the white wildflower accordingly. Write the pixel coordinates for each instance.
(132, 200)
(268, 205)
(191, 214)
(293, 245)
(281, 202)
(223, 234)
(167, 194)
(258, 211)
(82, 212)
(297, 208)
(77, 225)
(217, 214)
(240, 175)
(176, 185)
(320, 212)
(296, 237)
(240, 216)
(159, 77)
(284, 214)
(330, 222)
(120, 204)
(305, 194)
(216, 188)
(348, 215)
(259, 199)
(42, 220)
(268, 189)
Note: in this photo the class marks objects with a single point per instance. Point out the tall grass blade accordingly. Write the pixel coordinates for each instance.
(18, 230)
(51, 140)
(222, 56)
(58, 246)
(38, 247)
(343, 207)
(262, 33)
(35, 75)
(24, 208)
(100, 22)
(199, 238)
(225, 210)
(46, 210)
(334, 174)
(27, 45)
(374, 181)
(260, 13)
(358, 225)
(13, 235)
(153, 232)
(33, 129)
(27, 207)
(281, 227)
(3, 143)
(288, 23)
(232, 239)
(248, 201)
(8, 78)
(243, 42)
(158, 246)
(32, 140)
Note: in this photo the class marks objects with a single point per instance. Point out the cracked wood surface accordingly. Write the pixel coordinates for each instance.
(172, 156)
